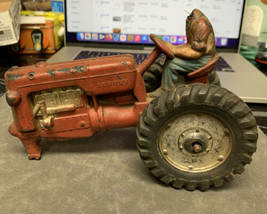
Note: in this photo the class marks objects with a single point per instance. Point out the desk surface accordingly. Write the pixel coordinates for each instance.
(104, 174)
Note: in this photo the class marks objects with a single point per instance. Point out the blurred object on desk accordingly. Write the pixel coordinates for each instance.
(41, 32)
(254, 30)
(43, 5)
(9, 21)
(57, 5)
(261, 58)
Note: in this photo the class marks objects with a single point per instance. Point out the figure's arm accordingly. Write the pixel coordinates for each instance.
(184, 51)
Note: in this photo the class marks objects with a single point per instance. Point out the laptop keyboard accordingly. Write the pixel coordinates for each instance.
(222, 65)
(90, 54)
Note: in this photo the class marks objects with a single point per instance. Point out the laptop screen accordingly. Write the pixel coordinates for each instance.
(131, 21)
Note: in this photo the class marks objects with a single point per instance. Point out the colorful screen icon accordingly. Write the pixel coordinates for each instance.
(173, 39)
(102, 36)
(80, 36)
(166, 38)
(123, 37)
(144, 38)
(116, 37)
(94, 36)
(137, 38)
(130, 38)
(109, 37)
(181, 40)
(87, 36)
(224, 42)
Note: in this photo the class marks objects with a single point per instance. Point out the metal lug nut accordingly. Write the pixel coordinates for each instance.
(220, 158)
(190, 167)
(226, 131)
(165, 152)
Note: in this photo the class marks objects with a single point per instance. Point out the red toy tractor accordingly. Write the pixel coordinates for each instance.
(195, 136)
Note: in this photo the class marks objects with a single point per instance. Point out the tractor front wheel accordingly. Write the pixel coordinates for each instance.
(196, 136)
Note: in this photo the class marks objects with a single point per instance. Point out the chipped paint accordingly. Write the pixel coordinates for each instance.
(13, 77)
(13, 68)
(118, 77)
(78, 69)
(51, 72)
(73, 70)
(64, 70)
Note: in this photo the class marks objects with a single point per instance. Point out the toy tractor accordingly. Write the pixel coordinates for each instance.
(194, 136)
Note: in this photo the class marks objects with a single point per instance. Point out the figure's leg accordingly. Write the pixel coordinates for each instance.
(171, 76)
(33, 147)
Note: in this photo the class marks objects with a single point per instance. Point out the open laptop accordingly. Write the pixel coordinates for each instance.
(123, 26)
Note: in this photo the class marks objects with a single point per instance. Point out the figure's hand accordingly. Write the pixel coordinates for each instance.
(160, 44)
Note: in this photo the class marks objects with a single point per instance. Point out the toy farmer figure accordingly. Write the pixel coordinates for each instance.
(197, 52)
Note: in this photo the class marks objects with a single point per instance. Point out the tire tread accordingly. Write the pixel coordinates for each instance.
(198, 94)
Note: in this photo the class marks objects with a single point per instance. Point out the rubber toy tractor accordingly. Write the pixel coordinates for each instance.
(194, 136)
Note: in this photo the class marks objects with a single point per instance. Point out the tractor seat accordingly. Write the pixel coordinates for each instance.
(201, 75)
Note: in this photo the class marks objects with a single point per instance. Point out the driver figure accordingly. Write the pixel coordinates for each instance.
(198, 51)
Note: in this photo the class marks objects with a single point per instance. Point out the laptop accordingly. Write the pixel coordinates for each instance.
(107, 27)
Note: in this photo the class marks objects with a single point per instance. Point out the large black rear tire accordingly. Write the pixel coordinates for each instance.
(196, 136)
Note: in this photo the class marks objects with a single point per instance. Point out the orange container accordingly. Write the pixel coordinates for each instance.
(38, 38)
(39, 32)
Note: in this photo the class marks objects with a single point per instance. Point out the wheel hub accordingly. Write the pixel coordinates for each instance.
(196, 142)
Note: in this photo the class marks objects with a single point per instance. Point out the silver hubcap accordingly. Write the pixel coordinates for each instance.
(195, 142)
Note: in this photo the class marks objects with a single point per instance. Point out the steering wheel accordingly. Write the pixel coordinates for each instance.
(161, 45)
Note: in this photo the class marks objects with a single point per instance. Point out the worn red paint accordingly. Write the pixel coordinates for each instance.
(113, 97)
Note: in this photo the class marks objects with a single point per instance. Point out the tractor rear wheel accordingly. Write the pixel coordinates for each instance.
(153, 75)
(196, 136)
